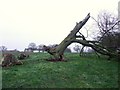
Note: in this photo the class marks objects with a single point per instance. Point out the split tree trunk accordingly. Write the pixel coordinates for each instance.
(58, 51)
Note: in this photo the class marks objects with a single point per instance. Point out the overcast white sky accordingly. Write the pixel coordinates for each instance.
(44, 21)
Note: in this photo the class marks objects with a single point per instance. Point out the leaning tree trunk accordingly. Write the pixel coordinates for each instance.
(58, 51)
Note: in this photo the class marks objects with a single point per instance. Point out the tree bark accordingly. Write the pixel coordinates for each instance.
(58, 51)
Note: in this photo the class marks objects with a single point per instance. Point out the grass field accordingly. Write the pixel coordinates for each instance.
(77, 72)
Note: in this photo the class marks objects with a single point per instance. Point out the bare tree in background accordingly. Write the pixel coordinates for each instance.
(32, 46)
(3, 48)
(108, 30)
(77, 48)
(40, 47)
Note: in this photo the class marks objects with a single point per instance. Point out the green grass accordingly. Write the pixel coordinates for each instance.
(77, 72)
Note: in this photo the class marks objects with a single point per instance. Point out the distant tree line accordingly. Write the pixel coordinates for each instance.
(40, 48)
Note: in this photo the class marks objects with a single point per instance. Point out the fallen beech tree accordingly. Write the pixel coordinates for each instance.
(76, 37)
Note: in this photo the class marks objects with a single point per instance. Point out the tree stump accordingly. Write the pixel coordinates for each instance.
(10, 60)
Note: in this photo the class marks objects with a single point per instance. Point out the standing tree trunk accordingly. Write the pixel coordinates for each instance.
(58, 51)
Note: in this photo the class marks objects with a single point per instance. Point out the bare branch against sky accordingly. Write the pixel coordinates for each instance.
(44, 21)
(119, 15)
